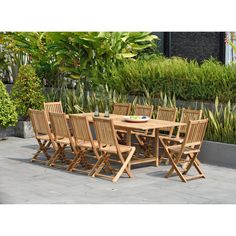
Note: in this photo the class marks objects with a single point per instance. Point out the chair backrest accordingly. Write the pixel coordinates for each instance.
(167, 114)
(40, 124)
(143, 110)
(55, 107)
(80, 127)
(121, 109)
(195, 133)
(186, 116)
(105, 131)
(59, 125)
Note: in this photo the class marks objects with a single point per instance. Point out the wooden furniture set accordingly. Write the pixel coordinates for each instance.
(62, 132)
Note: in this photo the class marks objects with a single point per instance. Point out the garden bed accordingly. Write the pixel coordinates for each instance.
(215, 153)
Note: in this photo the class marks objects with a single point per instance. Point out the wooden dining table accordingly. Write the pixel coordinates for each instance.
(152, 124)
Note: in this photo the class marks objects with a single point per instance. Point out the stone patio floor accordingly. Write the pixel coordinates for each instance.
(24, 182)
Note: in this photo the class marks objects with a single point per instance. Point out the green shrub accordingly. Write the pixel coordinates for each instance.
(222, 118)
(222, 123)
(186, 80)
(27, 91)
(8, 115)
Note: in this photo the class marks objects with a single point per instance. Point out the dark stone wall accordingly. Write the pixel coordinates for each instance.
(196, 45)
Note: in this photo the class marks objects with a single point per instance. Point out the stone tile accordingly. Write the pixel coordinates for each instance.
(24, 182)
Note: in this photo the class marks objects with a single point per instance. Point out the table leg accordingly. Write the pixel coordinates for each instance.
(156, 146)
(128, 142)
(128, 137)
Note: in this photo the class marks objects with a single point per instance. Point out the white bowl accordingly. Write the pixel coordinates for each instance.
(136, 119)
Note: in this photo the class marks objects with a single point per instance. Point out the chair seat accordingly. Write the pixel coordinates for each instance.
(63, 140)
(112, 149)
(87, 144)
(174, 139)
(43, 137)
(179, 139)
(187, 150)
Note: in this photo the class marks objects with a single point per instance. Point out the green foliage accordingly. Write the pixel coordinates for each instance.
(176, 76)
(81, 100)
(8, 115)
(222, 123)
(222, 118)
(27, 91)
(56, 55)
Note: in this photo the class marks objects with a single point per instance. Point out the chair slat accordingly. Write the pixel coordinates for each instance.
(187, 115)
(80, 127)
(105, 131)
(59, 125)
(168, 114)
(55, 107)
(143, 110)
(121, 109)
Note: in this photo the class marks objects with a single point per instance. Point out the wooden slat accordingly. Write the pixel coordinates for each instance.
(121, 109)
(55, 107)
(142, 110)
(187, 115)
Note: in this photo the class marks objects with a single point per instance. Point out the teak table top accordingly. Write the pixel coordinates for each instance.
(150, 124)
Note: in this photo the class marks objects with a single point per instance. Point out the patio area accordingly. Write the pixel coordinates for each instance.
(24, 182)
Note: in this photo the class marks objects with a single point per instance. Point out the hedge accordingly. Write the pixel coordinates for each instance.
(188, 80)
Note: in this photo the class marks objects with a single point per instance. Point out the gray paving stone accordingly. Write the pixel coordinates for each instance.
(24, 182)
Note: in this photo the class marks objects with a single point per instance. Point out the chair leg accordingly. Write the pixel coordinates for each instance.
(42, 148)
(175, 167)
(124, 166)
(56, 155)
(97, 164)
(98, 170)
(107, 163)
(193, 162)
(74, 162)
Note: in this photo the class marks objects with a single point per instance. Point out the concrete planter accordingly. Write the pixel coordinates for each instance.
(215, 153)
(3, 133)
(24, 129)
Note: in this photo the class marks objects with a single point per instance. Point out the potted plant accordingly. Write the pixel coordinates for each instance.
(8, 115)
(26, 93)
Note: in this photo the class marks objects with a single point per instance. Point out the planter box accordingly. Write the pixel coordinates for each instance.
(3, 133)
(24, 129)
(215, 153)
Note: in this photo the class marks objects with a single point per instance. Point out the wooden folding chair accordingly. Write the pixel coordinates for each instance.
(190, 147)
(55, 107)
(186, 116)
(83, 142)
(167, 114)
(163, 113)
(121, 109)
(108, 145)
(142, 110)
(62, 137)
(42, 132)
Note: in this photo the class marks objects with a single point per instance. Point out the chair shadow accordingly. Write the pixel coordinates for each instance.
(32, 146)
(161, 174)
(55, 168)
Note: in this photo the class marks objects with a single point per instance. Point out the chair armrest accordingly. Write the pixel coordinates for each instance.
(174, 139)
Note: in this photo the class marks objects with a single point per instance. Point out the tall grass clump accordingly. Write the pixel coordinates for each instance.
(187, 80)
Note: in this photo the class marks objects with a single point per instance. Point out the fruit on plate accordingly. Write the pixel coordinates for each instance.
(133, 117)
